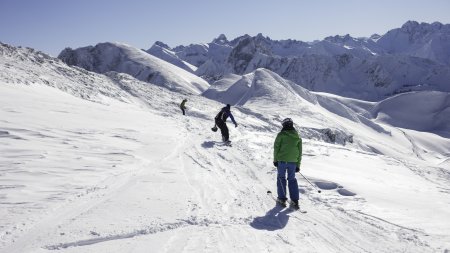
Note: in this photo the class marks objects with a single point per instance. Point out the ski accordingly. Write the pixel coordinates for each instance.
(291, 205)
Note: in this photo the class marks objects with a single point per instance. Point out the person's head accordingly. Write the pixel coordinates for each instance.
(228, 106)
(185, 100)
(287, 122)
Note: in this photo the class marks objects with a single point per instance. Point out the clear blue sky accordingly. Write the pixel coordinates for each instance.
(52, 25)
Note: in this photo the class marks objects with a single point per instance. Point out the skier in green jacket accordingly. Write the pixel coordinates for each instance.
(183, 106)
(287, 157)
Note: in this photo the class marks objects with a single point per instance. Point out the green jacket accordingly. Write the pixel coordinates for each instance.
(182, 105)
(288, 147)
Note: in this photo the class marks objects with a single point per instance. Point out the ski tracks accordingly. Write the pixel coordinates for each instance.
(78, 218)
(209, 198)
(223, 193)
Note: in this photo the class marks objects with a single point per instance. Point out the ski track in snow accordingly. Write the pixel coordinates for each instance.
(317, 221)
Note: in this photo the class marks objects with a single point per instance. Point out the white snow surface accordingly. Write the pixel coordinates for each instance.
(94, 163)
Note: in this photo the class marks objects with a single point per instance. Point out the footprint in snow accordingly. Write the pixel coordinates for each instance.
(346, 193)
(326, 185)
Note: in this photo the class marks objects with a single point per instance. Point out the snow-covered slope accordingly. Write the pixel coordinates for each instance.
(425, 111)
(27, 66)
(262, 85)
(105, 57)
(131, 173)
(211, 56)
(163, 52)
(335, 118)
(430, 111)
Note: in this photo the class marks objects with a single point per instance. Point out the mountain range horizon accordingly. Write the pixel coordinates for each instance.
(361, 68)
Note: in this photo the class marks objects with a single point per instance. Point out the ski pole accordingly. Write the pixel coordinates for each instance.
(310, 183)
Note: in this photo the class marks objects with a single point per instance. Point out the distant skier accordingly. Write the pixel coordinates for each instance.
(287, 155)
(221, 119)
(183, 106)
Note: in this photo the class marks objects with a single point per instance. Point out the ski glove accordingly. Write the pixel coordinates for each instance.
(235, 125)
(275, 164)
(297, 169)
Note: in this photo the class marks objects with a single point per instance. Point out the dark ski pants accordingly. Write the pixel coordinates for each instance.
(223, 130)
(182, 111)
(288, 167)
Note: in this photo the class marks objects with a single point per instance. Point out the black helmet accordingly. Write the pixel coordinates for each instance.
(228, 105)
(287, 122)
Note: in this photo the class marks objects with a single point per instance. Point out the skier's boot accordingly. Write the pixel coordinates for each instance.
(294, 204)
(281, 202)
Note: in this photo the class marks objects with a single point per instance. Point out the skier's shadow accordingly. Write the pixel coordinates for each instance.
(276, 218)
(208, 144)
(211, 144)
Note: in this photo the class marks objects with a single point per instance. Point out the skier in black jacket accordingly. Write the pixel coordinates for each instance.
(221, 119)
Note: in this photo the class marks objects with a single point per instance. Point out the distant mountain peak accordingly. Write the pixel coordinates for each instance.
(339, 38)
(410, 25)
(162, 44)
(414, 26)
(260, 37)
(437, 25)
(375, 36)
(221, 39)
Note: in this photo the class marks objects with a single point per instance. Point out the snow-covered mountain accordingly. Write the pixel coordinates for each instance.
(28, 66)
(369, 78)
(106, 163)
(429, 41)
(163, 52)
(411, 58)
(198, 54)
(210, 57)
(414, 57)
(263, 88)
(105, 57)
(261, 85)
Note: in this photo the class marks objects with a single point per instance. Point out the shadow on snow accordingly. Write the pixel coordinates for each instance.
(276, 218)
